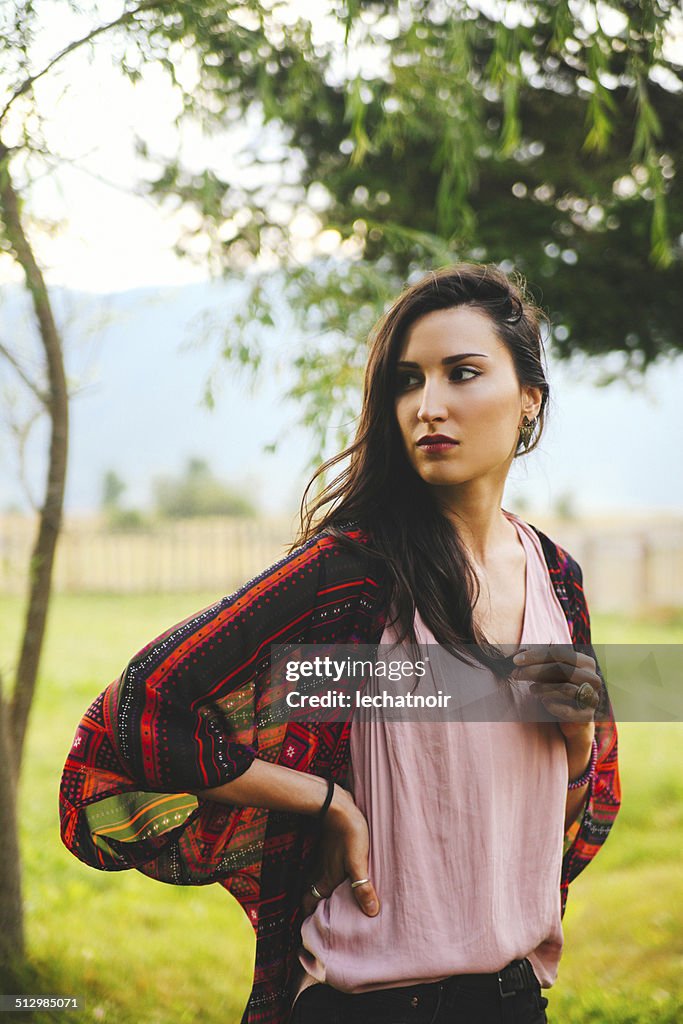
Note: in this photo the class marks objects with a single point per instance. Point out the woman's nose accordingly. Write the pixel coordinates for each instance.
(432, 406)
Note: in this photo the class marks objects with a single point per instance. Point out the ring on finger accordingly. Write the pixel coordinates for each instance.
(360, 881)
(318, 895)
(585, 697)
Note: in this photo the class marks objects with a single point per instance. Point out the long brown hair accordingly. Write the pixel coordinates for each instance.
(381, 492)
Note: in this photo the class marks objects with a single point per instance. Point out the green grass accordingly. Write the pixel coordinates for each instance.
(139, 951)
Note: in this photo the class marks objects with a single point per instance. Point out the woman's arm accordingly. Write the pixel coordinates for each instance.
(557, 672)
(589, 831)
(579, 748)
(190, 714)
(345, 841)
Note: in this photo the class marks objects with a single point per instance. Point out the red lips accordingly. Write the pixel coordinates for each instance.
(433, 439)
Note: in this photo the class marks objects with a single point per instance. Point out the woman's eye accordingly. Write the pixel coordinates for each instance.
(405, 380)
(464, 369)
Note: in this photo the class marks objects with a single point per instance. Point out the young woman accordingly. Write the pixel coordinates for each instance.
(393, 871)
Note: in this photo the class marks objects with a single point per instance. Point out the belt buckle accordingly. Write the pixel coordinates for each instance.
(503, 993)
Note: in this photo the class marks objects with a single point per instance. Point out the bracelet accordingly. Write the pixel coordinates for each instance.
(590, 770)
(328, 800)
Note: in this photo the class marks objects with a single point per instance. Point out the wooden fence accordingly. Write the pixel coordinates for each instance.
(191, 555)
(628, 566)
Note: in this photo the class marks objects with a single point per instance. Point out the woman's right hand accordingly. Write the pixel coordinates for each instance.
(343, 852)
(345, 841)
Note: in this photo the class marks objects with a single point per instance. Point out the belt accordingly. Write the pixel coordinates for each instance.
(518, 976)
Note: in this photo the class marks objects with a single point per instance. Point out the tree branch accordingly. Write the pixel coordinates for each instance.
(43, 555)
(30, 384)
(21, 433)
(28, 83)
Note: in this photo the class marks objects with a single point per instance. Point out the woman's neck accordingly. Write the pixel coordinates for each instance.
(482, 527)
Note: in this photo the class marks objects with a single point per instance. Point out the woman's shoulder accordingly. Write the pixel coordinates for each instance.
(343, 534)
(558, 559)
(345, 546)
(566, 578)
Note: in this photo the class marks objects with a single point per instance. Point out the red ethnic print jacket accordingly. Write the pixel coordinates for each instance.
(187, 714)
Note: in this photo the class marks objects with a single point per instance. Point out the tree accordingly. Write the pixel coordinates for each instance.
(197, 492)
(113, 488)
(544, 138)
(14, 710)
(117, 516)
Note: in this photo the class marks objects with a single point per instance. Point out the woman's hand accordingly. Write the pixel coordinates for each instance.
(345, 841)
(343, 852)
(556, 674)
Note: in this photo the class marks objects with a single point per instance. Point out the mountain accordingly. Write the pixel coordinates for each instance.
(141, 361)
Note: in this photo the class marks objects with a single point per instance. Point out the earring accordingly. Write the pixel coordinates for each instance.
(526, 430)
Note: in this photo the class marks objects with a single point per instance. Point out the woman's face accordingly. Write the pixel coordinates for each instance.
(456, 379)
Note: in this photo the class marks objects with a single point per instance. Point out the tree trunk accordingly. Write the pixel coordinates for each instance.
(11, 911)
(14, 711)
(56, 402)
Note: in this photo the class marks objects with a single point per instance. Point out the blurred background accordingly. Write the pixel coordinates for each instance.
(204, 207)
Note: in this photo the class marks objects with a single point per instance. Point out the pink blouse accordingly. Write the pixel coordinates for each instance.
(466, 825)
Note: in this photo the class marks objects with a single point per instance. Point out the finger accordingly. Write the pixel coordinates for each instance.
(540, 654)
(365, 896)
(568, 712)
(533, 655)
(586, 661)
(564, 694)
(565, 691)
(557, 673)
(310, 900)
(546, 692)
(308, 904)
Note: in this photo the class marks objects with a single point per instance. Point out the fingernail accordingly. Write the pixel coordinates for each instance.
(519, 658)
(372, 906)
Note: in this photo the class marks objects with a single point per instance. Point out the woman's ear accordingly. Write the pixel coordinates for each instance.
(532, 399)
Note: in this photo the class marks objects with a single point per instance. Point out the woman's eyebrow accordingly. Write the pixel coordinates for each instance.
(447, 361)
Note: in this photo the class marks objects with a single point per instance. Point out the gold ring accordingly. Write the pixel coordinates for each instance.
(585, 697)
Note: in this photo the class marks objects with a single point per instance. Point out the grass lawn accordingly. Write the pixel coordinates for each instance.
(139, 951)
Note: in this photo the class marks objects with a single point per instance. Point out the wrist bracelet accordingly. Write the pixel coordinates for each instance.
(590, 770)
(328, 800)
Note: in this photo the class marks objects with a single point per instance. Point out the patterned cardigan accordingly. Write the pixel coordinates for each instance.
(190, 712)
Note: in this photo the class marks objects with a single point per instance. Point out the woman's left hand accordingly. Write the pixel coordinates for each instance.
(556, 674)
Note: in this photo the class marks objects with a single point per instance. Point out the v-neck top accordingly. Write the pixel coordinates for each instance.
(466, 822)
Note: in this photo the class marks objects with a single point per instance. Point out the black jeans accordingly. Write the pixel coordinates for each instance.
(434, 1003)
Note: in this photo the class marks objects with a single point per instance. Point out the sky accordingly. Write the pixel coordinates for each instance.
(111, 238)
(96, 192)
(92, 115)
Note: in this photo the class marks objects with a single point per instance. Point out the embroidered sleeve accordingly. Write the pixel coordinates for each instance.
(587, 834)
(182, 717)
